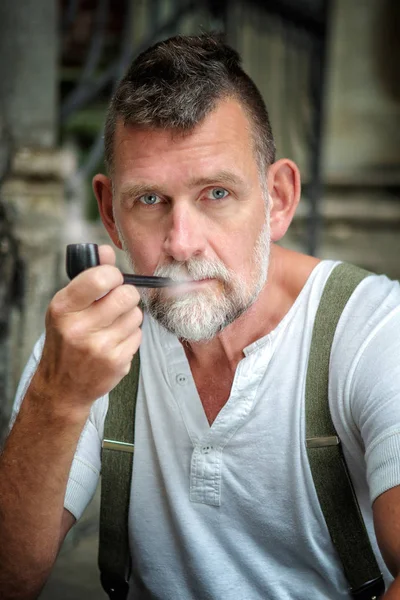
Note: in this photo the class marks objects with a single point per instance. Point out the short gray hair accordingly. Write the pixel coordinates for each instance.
(176, 83)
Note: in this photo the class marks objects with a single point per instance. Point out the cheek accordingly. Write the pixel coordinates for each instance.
(145, 251)
(236, 253)
(248, 255)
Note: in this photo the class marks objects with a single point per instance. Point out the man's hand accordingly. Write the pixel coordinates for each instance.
(386, 511)
(92, 333)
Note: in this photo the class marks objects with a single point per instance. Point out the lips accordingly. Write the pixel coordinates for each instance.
(200, 281)
(187, 287)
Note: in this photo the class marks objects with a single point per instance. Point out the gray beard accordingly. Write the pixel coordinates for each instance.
(198, 316)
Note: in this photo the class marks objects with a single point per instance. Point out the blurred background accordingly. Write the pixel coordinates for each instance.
(329, 73)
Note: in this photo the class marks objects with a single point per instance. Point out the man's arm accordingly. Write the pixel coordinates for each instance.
(88, 349)
(386, 510)
(67, 522)
(34, 471)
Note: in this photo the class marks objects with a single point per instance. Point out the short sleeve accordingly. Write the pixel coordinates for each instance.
(84, 474)
(85, 468)
(375, 403)
(86, 465)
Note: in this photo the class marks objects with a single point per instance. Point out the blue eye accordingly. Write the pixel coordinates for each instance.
(149, 199)
(218, 193)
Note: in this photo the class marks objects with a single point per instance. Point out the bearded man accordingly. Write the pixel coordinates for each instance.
(223, 504)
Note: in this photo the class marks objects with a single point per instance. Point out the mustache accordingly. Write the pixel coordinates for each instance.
(194, 270)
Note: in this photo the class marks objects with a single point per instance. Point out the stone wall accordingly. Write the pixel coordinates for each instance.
(32, 198)
(360, 206)
(31, 182)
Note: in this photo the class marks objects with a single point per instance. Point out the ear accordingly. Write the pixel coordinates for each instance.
(284, 187)
(102, 188)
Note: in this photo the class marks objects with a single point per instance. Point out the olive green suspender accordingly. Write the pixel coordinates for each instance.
(331, 479)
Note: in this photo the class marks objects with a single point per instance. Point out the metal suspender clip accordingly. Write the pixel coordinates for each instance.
(322, 442)
(372, 590)
(115, 445)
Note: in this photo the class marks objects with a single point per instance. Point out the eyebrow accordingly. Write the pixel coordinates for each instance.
(134, 190)
(221, 176)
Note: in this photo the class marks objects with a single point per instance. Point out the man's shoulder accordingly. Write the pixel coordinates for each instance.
(373, 307)
(376, 295)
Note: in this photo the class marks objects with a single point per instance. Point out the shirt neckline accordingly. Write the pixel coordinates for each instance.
(269, 337)
(171, 341)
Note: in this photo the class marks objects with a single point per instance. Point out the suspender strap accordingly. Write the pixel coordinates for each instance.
(117, 461)
(331, 478)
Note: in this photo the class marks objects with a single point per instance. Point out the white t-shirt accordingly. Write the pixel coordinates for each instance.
(230, 512)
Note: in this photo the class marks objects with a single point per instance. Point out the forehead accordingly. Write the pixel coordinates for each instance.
(222, 139)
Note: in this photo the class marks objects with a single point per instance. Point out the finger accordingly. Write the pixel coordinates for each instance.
(106, 310)
(106, 341)
(107, 255)
(86, 288)
(124, 326)
(126, 350)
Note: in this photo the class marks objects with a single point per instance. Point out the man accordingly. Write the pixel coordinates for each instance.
(223, 501)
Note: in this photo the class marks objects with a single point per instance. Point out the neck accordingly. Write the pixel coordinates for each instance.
(287, 275)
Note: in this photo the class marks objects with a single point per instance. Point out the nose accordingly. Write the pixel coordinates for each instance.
(184, 238)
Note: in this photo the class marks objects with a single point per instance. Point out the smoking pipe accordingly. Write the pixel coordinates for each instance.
(84, 256)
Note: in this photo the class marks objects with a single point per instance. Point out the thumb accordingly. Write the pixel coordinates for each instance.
(107, 255)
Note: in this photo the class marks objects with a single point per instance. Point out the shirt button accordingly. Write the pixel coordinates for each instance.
(206, 449)
(181, 379)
